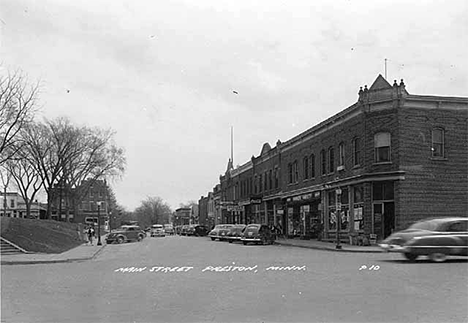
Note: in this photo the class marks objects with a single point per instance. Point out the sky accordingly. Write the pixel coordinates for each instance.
(163, 74)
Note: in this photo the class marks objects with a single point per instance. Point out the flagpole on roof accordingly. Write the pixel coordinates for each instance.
(232, 147)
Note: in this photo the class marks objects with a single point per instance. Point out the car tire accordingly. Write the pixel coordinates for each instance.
(230, 241)
(120, 240)
(213, 239)
(438, 257)
(140, 237)
(410, 256)
(244, 242)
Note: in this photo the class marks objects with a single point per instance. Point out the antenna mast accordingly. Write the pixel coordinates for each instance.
(232, 149)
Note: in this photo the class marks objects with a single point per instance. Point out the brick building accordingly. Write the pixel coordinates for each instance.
(384, 162)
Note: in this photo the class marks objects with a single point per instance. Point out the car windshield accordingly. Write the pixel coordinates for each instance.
(157, 226)
(426, 225)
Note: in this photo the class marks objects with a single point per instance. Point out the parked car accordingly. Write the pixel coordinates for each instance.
(216, 232)
(435, 238)
(169, 229)
(184, 230)
(126, 233)
(257, 233)
(235, 233)
(197, 230)
(157, 230)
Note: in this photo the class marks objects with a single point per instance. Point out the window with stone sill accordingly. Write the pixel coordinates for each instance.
(382, 147)
(438, 143)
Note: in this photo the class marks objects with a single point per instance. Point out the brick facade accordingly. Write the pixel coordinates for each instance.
(395, 158)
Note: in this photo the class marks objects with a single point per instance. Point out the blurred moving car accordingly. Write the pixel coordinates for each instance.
(157, 230)
(257, 233)
(197, 230)
(126, 233)
(235, 233)
(436, 238)
(169, 229)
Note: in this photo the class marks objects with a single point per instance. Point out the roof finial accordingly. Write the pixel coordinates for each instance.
(402, 83)
(395, 83)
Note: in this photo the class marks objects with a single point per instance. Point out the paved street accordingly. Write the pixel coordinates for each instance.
(222, 282)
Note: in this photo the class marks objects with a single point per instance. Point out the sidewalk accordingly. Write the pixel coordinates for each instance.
(80, 253)
(322, 245)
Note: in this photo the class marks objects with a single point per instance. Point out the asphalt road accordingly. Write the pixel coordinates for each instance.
(184, 279)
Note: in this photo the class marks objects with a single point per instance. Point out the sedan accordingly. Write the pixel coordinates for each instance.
(126, 233)
(435, 238)
(235, 233)
(216, 232)
(257, 233)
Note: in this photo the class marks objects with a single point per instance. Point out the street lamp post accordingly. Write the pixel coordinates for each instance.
(338, 217)
(99, 223)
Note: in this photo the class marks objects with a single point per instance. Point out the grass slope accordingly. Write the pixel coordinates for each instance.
(45, 236)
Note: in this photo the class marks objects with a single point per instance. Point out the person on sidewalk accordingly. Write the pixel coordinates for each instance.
(90, 235)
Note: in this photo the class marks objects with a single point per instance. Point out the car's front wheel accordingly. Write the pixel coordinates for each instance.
(213, 239)
(120, 240)
(410, 256)
(244, 242)
(438, 257)
(140, 237)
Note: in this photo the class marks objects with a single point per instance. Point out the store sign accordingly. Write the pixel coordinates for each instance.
(256, 201)
(301, 197)
(280, 212)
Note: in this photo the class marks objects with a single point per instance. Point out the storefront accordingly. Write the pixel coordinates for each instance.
(303, 215)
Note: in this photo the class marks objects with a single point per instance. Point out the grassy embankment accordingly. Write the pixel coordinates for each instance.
(45, 236)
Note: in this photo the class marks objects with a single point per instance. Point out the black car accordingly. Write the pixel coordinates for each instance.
(126, 233)
(257, 233)
(435, 238)
(197, 230)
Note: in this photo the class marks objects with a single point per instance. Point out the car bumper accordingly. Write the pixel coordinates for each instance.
(251, 239)
(393, 247)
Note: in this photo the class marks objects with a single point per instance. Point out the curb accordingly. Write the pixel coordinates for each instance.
(58, 261)
(327, 249)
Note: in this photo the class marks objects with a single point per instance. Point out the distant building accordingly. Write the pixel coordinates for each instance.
(15, 206)
(182, 216)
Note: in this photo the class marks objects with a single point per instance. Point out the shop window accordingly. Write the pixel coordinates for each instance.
(358, 194)
(438, 144)
(306, 167)
(332, 198)
(312, 166)
(382, 191)
(356, 151)
(323, 159)
(382, 147)
(331, 160)
(341, 157)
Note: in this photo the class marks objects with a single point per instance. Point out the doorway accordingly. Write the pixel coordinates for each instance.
(383, 219)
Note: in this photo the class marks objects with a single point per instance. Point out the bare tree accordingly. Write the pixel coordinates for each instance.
(153, 210)
(26, 178)
(65, 155)
(5, 177)
(18, 102)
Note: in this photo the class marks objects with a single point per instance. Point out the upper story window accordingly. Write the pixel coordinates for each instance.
(356, 151)
(255, 185)
(260, 183)
(312, 166)
(12, 203)
(270, 179)
(382, 147)
(265, 184)
(276, 178)
(296, 172)
(290, 173)
(306, 167)
(331, 159)
(323, 159)
(341, 160)
(438, 142)
(91, 193)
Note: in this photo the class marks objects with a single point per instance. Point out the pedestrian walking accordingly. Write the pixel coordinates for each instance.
(90, 235)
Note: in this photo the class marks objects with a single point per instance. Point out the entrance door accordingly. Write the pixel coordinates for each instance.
(388, 218)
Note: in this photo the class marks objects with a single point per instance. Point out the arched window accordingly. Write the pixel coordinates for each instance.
(323, 160)
(331, 160)
(382, 147)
